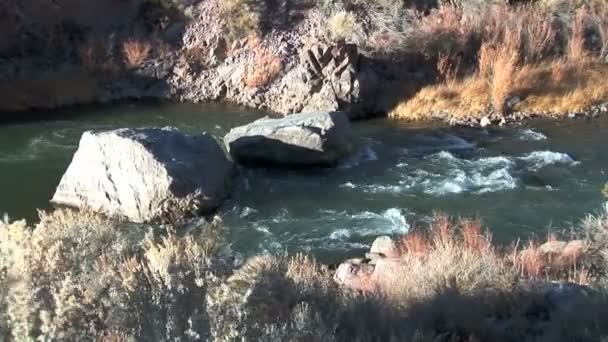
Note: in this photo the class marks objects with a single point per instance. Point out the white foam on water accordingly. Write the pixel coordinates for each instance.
(384, 189)
(398, 220)
(262, 229)
(282, 217)
(391, 221)
(538, 159)
(490, 174)
(329, 228)
(340, 234)
(530, 135)
(271, 247)
(332, 244)
(361, 224)
(348, 185)
(443, 173)
(247, 211)
(454, 175)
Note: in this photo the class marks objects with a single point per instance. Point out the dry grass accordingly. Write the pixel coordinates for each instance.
(344, 26)
(462, 98)
(135, 52)
(460, 254)
(265, 68)
(518, 55)
(77, 276)
(581, 86)
(556, 88)
(576, 51)
(503, 70)
(457, 255)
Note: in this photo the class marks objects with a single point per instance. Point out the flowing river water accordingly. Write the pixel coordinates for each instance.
(529, 179)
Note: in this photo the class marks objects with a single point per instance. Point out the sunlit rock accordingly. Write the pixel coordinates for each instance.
(299, 139)
(146, 174)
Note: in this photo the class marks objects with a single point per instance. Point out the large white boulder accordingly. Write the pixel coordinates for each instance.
(151, 174)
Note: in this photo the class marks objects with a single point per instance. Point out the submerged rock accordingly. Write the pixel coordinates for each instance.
(299, 139)
(384, 246)
(153, 174)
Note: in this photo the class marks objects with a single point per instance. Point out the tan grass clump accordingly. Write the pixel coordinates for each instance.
(344, 26)
(576, 51)
(456, 255)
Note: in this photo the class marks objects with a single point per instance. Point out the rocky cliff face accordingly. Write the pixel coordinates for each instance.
(287, 70)
(311, 75)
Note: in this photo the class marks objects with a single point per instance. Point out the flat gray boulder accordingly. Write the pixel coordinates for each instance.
(298, 139)
(150, 174)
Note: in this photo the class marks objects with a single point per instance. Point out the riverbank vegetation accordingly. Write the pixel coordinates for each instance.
(535, 58)
(77, 276)
(460, 59)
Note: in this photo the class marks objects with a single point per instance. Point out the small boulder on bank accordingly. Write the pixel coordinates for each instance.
(151, 174)
(299, 139)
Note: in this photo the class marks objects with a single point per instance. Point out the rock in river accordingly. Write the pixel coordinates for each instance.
(299, 139)
(149, 174)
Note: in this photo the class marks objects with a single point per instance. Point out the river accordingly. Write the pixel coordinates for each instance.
(531, 179)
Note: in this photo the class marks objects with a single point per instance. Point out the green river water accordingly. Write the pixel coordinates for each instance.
(530, 179)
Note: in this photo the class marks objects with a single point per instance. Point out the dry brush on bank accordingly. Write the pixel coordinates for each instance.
(79, 276)
(472, 58)
(536, 58)
(456, 58)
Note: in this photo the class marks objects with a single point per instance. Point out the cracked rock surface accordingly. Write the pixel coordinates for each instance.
(300, 139)
(152, 174)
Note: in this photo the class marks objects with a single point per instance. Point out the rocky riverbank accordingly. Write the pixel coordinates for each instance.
(307, 57)
(286, 71)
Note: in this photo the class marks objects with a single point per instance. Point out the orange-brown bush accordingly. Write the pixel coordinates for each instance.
(265, 68)
(135, 52)
(462, 244)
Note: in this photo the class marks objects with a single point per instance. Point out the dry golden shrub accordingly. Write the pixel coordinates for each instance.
(344, 26)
